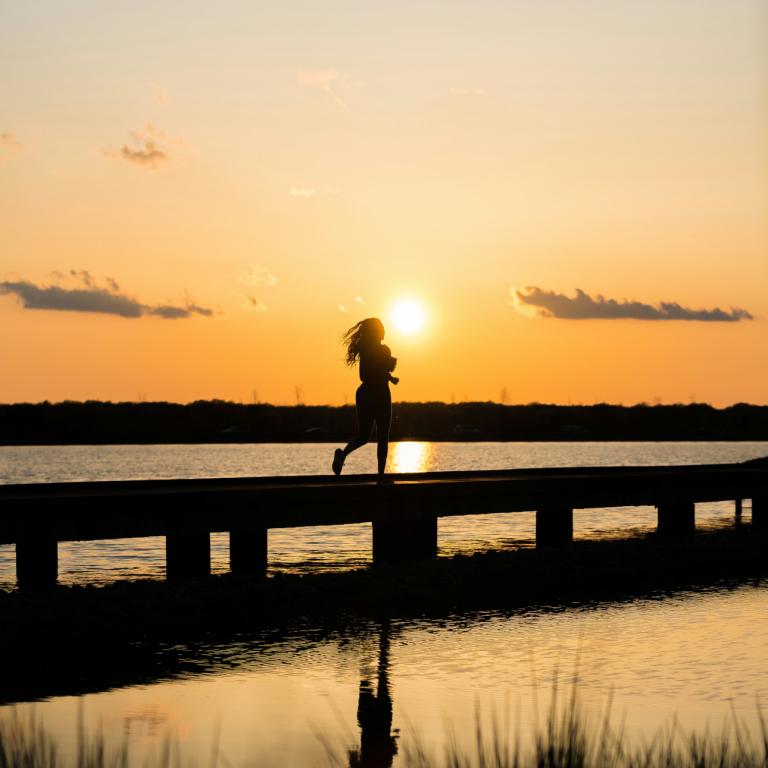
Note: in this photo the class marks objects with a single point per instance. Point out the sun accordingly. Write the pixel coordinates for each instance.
(408, 316)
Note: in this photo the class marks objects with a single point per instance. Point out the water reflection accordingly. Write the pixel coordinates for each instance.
(378, 742)
(149, 721)
(411, 456)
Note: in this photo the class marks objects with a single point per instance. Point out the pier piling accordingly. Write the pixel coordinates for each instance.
(396, 541)
(760, 513)
(677, 519)
(554, 526)
(37, 561)
(188, 554)
(248, 551)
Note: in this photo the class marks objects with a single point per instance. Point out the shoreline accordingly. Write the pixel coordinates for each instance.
(218, 421)
(417, 439)
(67, 638)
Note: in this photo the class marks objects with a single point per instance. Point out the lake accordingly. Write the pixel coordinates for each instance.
(697, 656)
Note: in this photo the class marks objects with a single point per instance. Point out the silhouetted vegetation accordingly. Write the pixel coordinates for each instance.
(216, 421)
(567, 738)
(125, 619)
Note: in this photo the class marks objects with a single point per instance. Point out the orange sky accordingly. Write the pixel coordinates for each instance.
(275, 165)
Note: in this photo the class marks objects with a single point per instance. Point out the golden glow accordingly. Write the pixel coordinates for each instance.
(410, 457)
(408, 316)
(434, 177)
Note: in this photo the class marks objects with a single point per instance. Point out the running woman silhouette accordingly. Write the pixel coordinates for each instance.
(373, 401)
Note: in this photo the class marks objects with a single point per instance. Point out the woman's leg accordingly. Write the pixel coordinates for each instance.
(365, 417)
(383, 421)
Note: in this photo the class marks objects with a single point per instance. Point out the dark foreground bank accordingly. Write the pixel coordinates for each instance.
(217, 421)
(74, 639)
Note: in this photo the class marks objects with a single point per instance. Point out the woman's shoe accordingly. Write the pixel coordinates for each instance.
(338, 461)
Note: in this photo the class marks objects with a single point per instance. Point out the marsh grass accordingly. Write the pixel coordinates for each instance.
(566, 738)
(569, 739)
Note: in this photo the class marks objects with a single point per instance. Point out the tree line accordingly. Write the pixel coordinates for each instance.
(210, 421)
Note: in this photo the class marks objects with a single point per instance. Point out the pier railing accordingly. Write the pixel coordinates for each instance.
(403, 512)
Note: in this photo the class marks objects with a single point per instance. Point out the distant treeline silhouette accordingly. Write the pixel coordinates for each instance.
(209, 421)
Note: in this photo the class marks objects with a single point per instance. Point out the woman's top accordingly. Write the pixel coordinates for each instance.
(376, 363)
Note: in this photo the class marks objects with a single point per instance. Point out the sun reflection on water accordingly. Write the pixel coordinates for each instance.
(411, 456)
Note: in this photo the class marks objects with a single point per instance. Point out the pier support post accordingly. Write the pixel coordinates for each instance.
(738, 511)
(395, 541)
(554, 526)
(187, 554)
(248, 551)
(37, 562)
(760, 513)
(677, 519)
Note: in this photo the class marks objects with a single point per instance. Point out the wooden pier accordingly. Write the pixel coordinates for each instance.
(403, 513)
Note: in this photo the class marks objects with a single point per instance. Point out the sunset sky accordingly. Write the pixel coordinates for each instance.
(197, 199)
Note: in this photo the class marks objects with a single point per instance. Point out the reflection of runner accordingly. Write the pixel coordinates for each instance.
(378, 745)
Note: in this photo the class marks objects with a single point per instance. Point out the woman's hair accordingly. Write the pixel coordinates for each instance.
(366, 333)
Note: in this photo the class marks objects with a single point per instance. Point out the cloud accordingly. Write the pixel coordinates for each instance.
(304, 192)
(88, 296)
(347, 307)
(582, 306)
(252, 304)
(159, 94)
(170, 312)
(320, 80)
(257, 277)
(149, 148)
(83, 276)
(10, 147)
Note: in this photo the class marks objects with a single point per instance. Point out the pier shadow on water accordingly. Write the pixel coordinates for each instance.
(77, 640)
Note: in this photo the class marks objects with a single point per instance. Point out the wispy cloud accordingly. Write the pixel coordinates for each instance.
(159, 94)
(303, 192)
(346, 307)
(88, 296)
(148, 148)
(171, 312)
(582, 306)
(321, 80)
(252, 304)
(10, 147)
(257, 276)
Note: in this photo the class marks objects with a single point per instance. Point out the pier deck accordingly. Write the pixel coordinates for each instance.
(403, 513)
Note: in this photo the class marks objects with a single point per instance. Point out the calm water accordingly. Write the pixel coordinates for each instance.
(695, 656)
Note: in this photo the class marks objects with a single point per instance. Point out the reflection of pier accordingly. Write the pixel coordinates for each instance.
(378, 744)
(403, 513)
